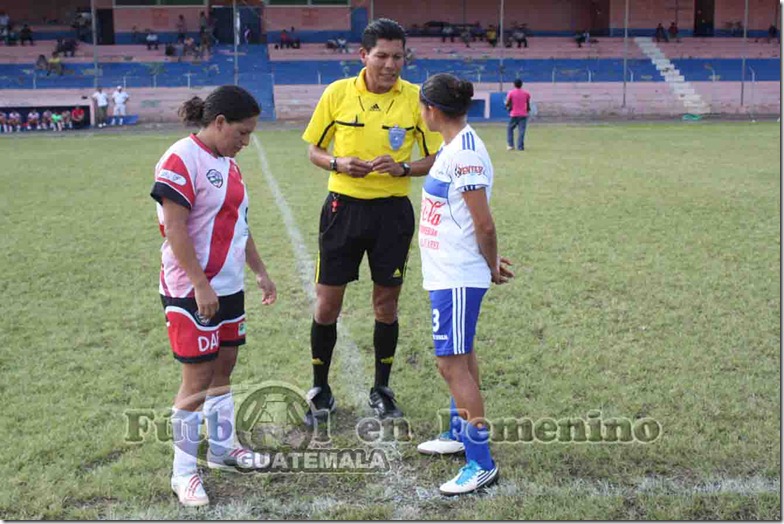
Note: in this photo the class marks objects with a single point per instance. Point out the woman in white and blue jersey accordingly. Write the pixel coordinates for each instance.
(457, 240)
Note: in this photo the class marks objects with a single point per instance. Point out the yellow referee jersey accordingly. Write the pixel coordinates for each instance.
(368, 125)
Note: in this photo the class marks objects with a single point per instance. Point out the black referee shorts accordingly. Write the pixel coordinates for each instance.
(349, 227)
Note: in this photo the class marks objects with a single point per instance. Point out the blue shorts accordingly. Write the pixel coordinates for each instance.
(455, 313)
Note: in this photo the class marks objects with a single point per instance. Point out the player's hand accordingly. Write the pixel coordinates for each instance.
(353, 166)
(269, 293)
(385, 164)
(501, 274)
(207, 302)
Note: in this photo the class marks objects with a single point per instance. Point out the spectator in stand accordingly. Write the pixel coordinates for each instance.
(14, 121)
(285, 39)
(673, 32)
(410, 56)
(296, 43)
(55, 64)
(42, 64)
(66, 47)
(101, 106)
(4, 123)
(660, 35)
(247, 35)
(205, 42)
(120, 97)
(465, 37)
(188, 47)
(342, 44)
(518, 102)
(57, 121)
(66, 116)
(77, 116)
(182, 29)
(492, 36)
(520, 37)
(477, 32)
(151, 39)
(582, 38)
(773, 33)
(5, 20)
(448, 32)
(46, 120)
(204, 23)
(737, 30)
(26, 35)
(135, 35)
(10, 36)
(33, 120)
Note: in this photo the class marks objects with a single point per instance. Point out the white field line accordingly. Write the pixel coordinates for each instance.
(349, 358)
(399, 485)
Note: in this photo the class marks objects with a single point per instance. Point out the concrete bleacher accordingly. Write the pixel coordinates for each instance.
(552, 100)
(84, 53)
(433, 48)
(724, 97)
(718, 47)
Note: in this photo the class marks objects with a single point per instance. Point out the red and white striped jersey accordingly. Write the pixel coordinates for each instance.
(212, 188)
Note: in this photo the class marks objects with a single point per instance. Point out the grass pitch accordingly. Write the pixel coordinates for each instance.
(648, 286)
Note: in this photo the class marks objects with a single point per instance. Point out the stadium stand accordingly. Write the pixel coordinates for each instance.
(564, 78)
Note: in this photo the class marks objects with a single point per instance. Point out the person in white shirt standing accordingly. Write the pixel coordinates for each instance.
(101, 107)
(120, 96)
(459, 249)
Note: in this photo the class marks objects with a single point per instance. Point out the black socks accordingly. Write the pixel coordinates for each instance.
(385, 344)
(322, 342)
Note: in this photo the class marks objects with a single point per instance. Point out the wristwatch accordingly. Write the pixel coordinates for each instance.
(333, 164)
(406, 168)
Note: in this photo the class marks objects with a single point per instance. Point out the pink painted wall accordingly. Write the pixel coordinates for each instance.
(158, 18)
(762, 13)
(307, 18)
(543, 15)
(647, 15)
(34, 11)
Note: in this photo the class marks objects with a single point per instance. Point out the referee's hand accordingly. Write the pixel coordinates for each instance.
(353, 166)
(386, 164)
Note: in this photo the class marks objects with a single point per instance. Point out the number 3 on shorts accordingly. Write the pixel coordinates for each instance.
(436, 321)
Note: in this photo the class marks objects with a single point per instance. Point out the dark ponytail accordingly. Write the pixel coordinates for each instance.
(448, 93)
(191, 112)
(233, 102)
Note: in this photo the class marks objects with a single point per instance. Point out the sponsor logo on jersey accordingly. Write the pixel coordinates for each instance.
(431, 211)
(469, 170)
(215, 178)
(171, 176)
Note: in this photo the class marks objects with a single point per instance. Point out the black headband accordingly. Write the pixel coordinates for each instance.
(429, 102)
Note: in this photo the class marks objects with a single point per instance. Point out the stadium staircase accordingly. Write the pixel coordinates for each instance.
(683, 90)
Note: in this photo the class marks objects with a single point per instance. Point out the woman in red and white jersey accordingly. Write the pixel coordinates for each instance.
(202, 212)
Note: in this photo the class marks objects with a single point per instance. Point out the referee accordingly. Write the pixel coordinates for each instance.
(373, 122)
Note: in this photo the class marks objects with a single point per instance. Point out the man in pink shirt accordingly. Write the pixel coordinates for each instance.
(518, 102)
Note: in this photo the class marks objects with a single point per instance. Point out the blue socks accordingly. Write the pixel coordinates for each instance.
(456, 422)
(477, 446)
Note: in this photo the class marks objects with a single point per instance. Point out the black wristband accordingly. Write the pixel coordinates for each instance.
(333, 164)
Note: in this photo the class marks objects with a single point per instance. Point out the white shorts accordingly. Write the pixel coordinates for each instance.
(119, 110)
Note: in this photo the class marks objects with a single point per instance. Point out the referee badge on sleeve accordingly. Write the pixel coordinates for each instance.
(396, 137)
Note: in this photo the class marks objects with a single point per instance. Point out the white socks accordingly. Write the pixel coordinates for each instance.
(219, 414)
(185, 432)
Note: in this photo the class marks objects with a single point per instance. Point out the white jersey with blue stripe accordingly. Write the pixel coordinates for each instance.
(447, 238)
